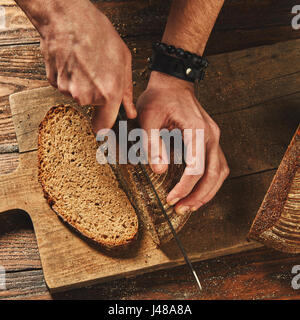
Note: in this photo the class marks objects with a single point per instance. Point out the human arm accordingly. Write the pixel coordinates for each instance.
(84, 56)
(170, 102)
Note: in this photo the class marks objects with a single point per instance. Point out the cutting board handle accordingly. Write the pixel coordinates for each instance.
(9, 190)
(18, 187)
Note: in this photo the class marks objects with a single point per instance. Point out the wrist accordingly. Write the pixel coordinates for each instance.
(162, 80)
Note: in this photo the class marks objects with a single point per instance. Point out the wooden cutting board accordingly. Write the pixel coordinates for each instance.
(69, 261)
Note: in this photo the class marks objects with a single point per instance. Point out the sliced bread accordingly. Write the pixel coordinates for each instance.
(82, 192)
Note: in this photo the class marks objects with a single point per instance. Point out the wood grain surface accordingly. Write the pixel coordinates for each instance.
(69, 261)
(277, 222)
(258, 274)
(241, 24)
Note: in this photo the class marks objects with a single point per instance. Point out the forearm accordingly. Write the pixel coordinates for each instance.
(190, 23)
(44, 14)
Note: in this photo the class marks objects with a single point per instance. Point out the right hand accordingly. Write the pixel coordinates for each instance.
(86, 58)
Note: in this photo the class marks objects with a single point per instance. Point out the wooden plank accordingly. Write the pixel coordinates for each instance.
(272, 138)
(234, 81)
(235, 128)
(255, 139)
(8, 162)
(24, 192)
(21, 68)
(241, 24)
(246, 23)
(18, 28)
(236, 123)
(18, 246)
(257, 274)
(22, 285)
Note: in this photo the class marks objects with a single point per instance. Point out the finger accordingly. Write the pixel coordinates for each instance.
(157, 154)
(83, 92)
(195, 165)
(215, 174)
(154, 146)
(105, 116)
(63, 82)
(51, 73)
(128, 96)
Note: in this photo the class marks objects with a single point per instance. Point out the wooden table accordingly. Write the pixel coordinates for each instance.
(258, 87)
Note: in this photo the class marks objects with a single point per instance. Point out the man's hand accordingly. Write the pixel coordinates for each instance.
(84, 56)
(170, 103)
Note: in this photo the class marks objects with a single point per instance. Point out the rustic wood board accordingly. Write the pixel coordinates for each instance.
(241, 23)
(67, 260)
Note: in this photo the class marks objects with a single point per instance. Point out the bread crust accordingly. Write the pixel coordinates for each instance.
(273, 216)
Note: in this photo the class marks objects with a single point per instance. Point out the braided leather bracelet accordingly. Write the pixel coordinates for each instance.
(177, 62)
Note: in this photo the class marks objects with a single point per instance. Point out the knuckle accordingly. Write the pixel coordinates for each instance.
(181, 193)
(226, 171)
(110, 91)
(77, 95)
(62, 87)
(98, 97)
(82, 100)
(215, 130)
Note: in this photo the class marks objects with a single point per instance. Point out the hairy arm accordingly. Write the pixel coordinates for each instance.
(170, 102)
(84, 56)
(190, 23)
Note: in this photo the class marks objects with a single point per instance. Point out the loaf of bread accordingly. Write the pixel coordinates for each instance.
(277, 221)
(88, 196)
(82, 192)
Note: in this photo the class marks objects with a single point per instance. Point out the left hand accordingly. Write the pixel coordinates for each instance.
(170, 103)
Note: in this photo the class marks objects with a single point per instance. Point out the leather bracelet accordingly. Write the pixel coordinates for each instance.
(177, 62)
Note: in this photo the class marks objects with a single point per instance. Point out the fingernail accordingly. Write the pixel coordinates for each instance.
(182, 209)
(193, 209)
(172, 202)
(158, 167)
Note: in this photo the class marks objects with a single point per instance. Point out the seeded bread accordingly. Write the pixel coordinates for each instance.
(82, 192)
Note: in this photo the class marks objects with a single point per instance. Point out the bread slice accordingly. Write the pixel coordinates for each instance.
(82, 192)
